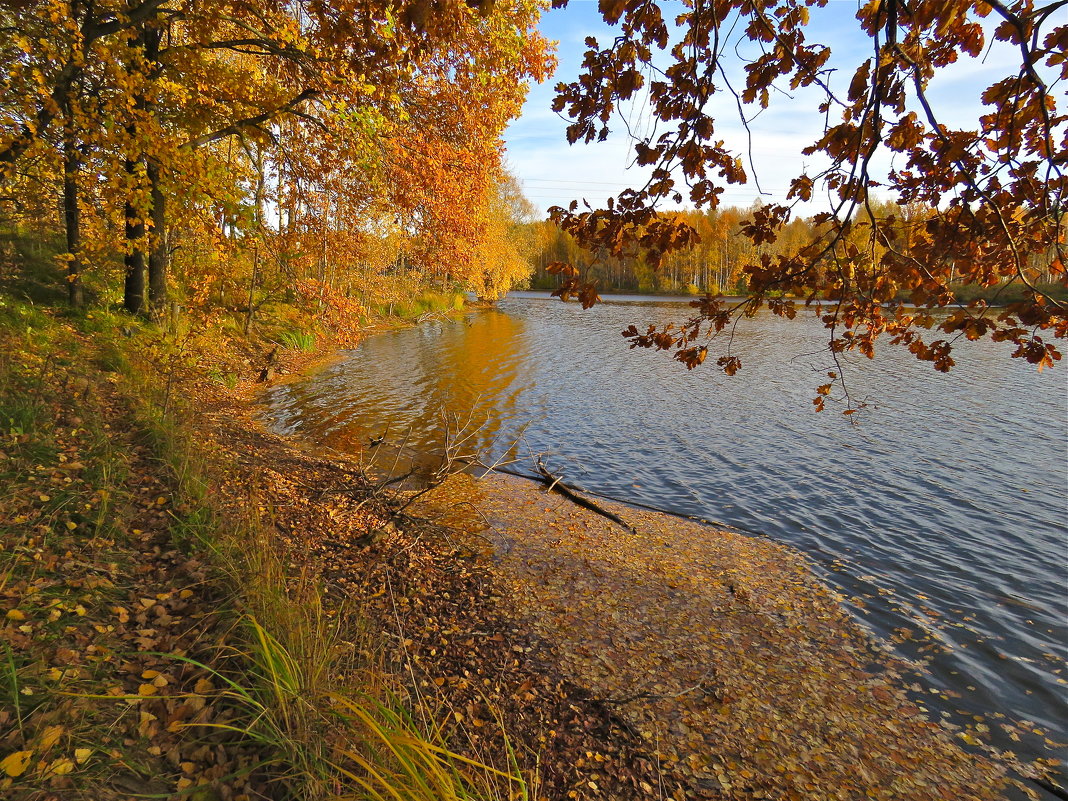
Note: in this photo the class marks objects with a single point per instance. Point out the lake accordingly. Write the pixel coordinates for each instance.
(939, 509)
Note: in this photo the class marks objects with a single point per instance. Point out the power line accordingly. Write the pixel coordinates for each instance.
(567, 185)
(565, 181)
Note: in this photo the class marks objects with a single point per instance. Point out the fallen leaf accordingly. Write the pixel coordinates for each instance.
(51, 736)
(61, 767)
(14, 765)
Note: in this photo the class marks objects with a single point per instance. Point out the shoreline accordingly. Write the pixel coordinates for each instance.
(879, 690)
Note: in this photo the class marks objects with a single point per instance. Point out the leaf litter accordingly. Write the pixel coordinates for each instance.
(104, 616)
(740, 672)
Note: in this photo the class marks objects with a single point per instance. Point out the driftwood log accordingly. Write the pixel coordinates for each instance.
(558, 486)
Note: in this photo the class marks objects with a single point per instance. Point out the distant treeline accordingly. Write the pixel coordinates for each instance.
(717, 264)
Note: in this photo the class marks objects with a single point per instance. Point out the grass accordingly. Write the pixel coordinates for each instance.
(225, 377)
(424, 302)
(297, 340)
(307, 693)
(1002, 295)
(302, 681)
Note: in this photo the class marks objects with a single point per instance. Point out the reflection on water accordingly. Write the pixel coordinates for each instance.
(463, 375)
(944, 509)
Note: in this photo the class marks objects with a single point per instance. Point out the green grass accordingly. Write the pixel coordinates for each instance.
(29, 269)
(1011, 293)
(224, 377)
(425, 302)
(303, 679)
(297, 340)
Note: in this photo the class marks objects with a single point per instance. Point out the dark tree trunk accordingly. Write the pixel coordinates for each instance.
(134, 290)
(72, 219)
(159, 255)
(252, 287)
(136, 229)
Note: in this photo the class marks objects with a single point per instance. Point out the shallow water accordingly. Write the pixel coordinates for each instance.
(941, 511)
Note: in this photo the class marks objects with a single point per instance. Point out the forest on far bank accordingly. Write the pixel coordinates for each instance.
(716, 264)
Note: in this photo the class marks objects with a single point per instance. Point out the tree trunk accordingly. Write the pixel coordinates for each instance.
(252, 288)
(159, 255)
(72, 218)
(134, 290)
(148, 40)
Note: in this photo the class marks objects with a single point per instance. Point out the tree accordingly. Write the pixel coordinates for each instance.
(995, 193)
(360, 120)
(503, 257)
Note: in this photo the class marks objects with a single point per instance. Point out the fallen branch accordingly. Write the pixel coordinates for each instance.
(555, 484)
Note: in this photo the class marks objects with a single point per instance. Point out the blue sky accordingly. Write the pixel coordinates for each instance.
(553, 172)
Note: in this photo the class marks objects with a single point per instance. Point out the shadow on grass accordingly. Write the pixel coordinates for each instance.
(29, 269)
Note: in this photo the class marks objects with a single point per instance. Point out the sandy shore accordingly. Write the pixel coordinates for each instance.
(738, 670)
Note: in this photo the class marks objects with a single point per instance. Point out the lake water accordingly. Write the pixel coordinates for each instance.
(939, 508)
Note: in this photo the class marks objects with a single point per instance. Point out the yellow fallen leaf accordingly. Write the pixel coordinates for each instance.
(51, 737)
(16, 614)
(14, 765)
(147, 689)
(61, 767)
(71, 525)
(82, 754)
